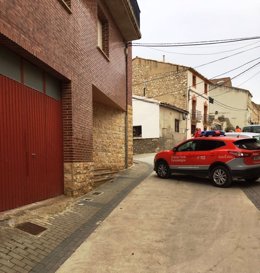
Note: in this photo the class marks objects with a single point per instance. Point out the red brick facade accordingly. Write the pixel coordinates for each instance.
(63, 41)
(67, 43)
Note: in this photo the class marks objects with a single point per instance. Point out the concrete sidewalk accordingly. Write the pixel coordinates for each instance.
(67, 223)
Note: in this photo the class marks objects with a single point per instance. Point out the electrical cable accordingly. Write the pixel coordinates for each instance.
(226, 57)
(249, 79)
(228, 107)
(234, 68)
(167, 73)
(232, 79)
(215, 86)
(202, 54)
(198, 43)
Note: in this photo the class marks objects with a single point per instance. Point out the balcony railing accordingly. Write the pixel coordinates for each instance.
(196, 116)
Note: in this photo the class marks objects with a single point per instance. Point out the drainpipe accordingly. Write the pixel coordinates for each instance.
(126, 103)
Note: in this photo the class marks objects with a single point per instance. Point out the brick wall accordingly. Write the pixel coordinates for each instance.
(64, 43)
(67, 44)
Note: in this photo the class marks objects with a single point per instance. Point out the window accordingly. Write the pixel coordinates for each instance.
(53, 87)
(187, 146)
(207, 145)
(137, 131)
(177, 125)
(248, 144)
(205, 118)
(205, 88)
(33, 76)
(10, 64)
(193, 109)
(193, 81)
(103, 33)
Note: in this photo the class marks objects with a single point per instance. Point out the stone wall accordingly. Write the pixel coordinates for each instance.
(130, 137)
(108, 137)
(153, 145)
(78, 178)
(162, 81)
(147, 145)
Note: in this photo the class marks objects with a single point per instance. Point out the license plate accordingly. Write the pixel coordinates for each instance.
(257, 157)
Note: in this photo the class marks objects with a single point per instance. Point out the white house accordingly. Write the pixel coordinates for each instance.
(157, 125)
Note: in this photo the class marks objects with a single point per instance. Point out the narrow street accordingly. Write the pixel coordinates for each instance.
(139, 224)
(176, 225)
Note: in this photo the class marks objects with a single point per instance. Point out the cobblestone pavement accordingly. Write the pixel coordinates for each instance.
(65, 230)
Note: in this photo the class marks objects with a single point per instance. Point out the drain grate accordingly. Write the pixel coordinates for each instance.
(31, 228)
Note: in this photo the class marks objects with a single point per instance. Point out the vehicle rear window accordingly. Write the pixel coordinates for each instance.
(248, 144)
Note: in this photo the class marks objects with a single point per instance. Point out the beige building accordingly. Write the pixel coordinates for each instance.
(176, 85)
(232, 104)
(254, 111)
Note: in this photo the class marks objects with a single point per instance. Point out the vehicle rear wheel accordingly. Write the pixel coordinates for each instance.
(162, 169)
(220, 176)
(251, 179)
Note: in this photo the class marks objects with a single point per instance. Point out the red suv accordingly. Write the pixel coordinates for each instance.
(220, 158)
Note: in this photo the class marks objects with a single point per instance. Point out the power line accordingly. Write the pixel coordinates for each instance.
(249, 78)
(170, 73)
(225, 105)
(245, 70)
(226, 57)
(212, 88)
(198, 43)
(228, 107)
(235, 68)
(202, 54)
(216, 86)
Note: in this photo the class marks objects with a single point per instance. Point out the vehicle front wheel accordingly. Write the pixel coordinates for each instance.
(162, 169)
(220, 176)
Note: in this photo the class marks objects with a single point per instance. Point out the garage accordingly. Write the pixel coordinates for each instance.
(31, 157)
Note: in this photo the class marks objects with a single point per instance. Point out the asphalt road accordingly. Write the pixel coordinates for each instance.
(178, 225)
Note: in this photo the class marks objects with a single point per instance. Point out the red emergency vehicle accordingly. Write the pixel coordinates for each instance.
(220, 158)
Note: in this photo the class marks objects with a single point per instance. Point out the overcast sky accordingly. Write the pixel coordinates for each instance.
(176, 21)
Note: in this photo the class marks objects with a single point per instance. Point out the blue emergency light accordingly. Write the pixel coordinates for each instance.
(212, 133)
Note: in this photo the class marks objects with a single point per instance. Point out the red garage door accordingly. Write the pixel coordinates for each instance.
(31, 160)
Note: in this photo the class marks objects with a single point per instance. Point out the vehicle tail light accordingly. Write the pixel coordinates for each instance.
(239, 154)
